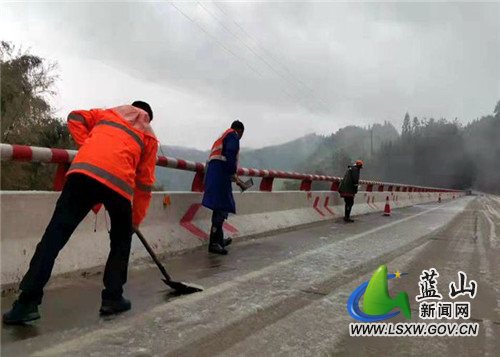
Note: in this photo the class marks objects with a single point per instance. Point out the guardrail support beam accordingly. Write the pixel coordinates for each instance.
(60, 178)
(198, 182)
(305, 185)
(266, 184)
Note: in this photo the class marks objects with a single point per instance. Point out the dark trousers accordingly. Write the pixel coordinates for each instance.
(217, 233)
(79, 195)
(349, 202)
(218, 218)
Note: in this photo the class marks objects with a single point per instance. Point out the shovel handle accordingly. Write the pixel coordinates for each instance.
(152, 254)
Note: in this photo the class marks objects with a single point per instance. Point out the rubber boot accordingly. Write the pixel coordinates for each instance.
(223, 241)
(347, 214)
(216, 238)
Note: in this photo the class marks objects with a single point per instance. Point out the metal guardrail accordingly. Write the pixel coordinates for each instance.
(64, 157)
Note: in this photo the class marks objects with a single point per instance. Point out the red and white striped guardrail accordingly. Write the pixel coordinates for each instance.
(64, 157)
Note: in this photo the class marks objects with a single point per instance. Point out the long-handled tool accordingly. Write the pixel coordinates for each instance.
(179, 287)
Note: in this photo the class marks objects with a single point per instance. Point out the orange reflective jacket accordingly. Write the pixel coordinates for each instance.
(117, 148)
(216, 152)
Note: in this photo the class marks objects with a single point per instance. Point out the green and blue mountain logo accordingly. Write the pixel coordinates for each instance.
(377, 302)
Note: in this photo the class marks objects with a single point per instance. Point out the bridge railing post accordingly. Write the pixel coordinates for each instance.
(198, 182)
(266, 184)
(305, 185)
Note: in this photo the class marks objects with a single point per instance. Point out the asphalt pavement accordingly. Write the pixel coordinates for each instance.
(284, 294)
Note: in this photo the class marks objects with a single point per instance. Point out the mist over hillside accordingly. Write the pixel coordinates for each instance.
(428, 152)
(310, 153)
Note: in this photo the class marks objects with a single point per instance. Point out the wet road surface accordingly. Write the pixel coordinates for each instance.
(282, 295)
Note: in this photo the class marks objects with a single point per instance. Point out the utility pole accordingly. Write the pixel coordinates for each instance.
(371, 142)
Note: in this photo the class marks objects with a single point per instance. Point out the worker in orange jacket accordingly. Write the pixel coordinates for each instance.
(115, 166)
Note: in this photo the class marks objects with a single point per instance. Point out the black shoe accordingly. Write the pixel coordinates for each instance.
(109, 307)
(216, 249)
(227, 241)
(21, 313)
(348, 220)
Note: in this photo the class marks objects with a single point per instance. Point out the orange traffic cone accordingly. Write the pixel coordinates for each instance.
(439, 198)
(387, 209)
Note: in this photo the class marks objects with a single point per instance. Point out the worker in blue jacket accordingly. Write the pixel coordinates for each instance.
(221, 172)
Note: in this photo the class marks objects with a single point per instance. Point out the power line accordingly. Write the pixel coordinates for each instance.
(247, 46)
(263, 49)
(222, 45)
(214, 38)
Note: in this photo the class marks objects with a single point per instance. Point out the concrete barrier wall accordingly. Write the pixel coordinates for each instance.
(175, 222)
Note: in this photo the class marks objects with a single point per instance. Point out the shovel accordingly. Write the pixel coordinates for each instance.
(180, 288)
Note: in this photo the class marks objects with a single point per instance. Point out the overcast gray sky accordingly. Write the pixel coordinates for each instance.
(285, 69)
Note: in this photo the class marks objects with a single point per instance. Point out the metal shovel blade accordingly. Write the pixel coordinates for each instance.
(181, 288)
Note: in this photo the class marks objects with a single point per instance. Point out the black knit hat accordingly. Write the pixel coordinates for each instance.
(238, 125)
(144, 106)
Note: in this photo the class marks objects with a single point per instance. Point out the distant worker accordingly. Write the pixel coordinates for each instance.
(349, 187)
(221, 172)
(115, 166)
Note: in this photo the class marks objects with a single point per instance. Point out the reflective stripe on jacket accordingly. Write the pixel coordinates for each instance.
(218, 195)
(117, 148)
(216, 152)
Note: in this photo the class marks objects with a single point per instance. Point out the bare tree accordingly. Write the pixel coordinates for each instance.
(27, 83)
